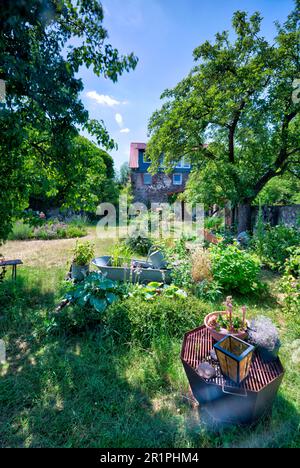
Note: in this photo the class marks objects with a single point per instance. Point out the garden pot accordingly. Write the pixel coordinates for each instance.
(219, 335)
(79, 272)
(268, 356)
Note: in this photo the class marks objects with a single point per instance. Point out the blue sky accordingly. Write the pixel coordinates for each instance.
(163, 34)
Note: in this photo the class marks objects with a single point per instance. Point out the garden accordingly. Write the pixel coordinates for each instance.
(124, 341)
(96, 362)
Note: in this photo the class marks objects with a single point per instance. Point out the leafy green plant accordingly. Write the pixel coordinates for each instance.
(214, 223)
(73, 231)
(150, 291)
(85, 303)
(139, 244)
(234, 269)
(21, 231)
(179, 259)
(290, 284)
(121, 255)
(208, 290)
(274, 246)
(34, 218)
(83, 253)
(142, 321)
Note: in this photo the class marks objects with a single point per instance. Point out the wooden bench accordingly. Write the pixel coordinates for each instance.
(13, 264)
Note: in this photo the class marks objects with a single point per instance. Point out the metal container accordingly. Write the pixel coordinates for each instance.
(224, 400)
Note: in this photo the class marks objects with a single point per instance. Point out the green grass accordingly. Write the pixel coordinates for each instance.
(87, 391)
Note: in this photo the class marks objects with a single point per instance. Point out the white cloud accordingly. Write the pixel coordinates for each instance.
(103, 99)
(125, 130)
(119, 119)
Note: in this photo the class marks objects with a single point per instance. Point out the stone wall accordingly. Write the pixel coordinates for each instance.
(288, 215)
(158, 192)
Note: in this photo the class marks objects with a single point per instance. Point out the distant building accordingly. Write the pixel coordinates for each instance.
(159, 187)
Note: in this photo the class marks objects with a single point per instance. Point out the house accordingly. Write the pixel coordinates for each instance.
(156, 188)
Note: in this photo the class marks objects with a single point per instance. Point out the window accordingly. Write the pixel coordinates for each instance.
(183, 164)
(144, 160)
(147, 179)
(177, 179)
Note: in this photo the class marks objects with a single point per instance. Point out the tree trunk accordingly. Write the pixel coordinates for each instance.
(244, 217)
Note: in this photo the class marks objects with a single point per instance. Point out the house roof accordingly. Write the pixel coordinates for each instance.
(134, 154)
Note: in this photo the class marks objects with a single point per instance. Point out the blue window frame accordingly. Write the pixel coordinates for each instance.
(183, 164)
(147, 179)
(177, 179)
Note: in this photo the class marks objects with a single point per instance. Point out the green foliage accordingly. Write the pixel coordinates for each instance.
(290, 284)
(46, 231)
(234, 269)
(223, 321)
(143, 321)
(87, 302)
(83, 253)
(283, 190)
(33, 218)
(259, 236)
(225, 113)
(139, 245)
(121, 254)
(154, 289)
(124, 174)
(208, 290)
(65, 391)
(214, 223)
(181, 263)
(274, 247)
(21, 231)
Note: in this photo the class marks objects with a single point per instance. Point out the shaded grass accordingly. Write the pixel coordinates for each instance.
(87, 391)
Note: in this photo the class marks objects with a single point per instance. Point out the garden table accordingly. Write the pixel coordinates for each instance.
(223, 399)
(13, 264)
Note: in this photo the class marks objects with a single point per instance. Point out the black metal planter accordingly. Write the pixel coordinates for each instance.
(223, 399)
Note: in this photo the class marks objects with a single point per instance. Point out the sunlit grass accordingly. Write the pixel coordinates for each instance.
(86, 391)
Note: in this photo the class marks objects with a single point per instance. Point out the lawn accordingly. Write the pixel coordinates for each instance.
(87, 391)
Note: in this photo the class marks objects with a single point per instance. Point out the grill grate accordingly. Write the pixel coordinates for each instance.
(196, 349)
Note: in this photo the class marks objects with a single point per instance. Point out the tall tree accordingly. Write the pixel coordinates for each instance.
(85, 179)
(43, 43)
(235, 115)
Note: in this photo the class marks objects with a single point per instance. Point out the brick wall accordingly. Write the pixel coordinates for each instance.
(158, 191)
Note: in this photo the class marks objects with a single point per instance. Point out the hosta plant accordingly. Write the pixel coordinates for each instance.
(85, 303)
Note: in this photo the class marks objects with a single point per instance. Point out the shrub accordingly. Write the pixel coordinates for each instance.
(214, 223)
(83, 253)
(79, 220)
(75, 231)
(234, 269)
(208, 290)
(121, 255)
(85, 303)
(139, 244)
(46, 231)
(34, 218)
(21, 231)
(179, 259)
(151, 290)
(274, 247)
(290, 285)
(143, 321)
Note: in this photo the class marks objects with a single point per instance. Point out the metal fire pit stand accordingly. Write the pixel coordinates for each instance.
(224, 400)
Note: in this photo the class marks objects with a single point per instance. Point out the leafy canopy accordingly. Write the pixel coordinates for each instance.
(233, 116)
(43, 44)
